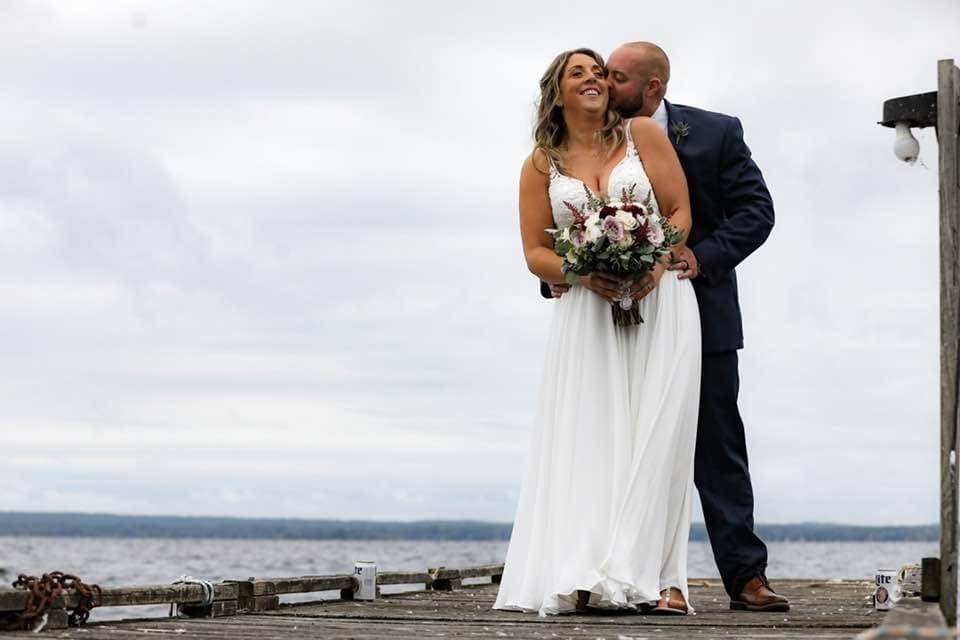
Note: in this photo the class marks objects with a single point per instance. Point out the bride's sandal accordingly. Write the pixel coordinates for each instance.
(671, 603)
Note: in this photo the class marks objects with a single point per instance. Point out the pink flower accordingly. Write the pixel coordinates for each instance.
(613, 229)
(655, 233)
(578, 238)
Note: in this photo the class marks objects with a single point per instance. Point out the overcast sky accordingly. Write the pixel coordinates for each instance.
(262, 259)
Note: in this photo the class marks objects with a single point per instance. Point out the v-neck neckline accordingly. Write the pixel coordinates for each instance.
(626, 154)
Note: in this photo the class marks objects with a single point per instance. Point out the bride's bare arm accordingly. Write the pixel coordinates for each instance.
(535, 218)
(662, 166)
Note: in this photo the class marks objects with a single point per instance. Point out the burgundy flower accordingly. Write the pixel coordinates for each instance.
(641, 231)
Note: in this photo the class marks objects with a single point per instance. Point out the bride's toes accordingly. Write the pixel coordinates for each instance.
(671, 602)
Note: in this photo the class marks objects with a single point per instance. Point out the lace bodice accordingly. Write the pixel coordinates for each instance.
(628, 172)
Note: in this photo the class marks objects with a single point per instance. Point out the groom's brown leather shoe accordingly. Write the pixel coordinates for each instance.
(758, 596)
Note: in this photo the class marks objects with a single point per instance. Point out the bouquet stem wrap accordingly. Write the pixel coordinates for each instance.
(626, 317)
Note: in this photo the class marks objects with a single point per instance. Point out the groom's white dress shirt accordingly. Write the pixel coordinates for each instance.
(660, 116)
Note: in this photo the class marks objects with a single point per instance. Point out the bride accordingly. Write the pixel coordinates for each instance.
(604, 509)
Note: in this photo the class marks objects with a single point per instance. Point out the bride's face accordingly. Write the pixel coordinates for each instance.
(583, 84)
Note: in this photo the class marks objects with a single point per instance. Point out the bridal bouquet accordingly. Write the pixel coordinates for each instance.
(625, 238)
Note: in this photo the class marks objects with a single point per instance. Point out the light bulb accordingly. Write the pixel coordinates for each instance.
(906, 146)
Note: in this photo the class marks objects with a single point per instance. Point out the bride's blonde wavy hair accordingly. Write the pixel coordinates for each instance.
(550, 130)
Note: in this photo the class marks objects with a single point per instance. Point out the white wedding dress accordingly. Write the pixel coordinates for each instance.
(605, 497)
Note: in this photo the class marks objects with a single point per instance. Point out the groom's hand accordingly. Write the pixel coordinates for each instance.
(558, 289)
(603, 284)
(687, 264)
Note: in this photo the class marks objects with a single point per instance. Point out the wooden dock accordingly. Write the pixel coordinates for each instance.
(450, 607)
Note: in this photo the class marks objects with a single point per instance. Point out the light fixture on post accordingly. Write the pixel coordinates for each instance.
(904, 114)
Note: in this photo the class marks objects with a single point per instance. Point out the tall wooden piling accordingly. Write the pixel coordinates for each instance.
(948, 96)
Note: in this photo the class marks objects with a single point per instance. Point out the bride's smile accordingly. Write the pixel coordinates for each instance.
(584, 85)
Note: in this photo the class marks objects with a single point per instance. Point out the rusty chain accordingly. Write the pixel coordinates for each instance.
(42, 592)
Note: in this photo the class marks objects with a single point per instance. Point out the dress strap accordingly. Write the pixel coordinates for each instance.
(554, 172)
(631, 148)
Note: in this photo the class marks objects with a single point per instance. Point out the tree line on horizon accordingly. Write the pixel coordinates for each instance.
(107, 525)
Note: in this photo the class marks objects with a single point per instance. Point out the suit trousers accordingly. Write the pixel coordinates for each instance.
(722, 476)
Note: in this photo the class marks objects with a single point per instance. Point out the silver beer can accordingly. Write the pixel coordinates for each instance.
(366, 574)
(886, 591)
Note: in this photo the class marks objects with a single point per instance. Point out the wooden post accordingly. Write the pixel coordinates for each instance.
(948, 95)
(930, 580)
(256, 595)
(443, 579)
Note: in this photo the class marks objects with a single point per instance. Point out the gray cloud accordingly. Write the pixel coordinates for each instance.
(113, 209)
(244, 247)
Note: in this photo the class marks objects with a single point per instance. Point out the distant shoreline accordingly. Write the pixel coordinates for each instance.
(101, 525)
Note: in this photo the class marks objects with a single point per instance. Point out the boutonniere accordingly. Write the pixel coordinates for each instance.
(680, 131)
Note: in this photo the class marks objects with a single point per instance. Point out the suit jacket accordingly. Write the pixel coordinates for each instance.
(732, 215)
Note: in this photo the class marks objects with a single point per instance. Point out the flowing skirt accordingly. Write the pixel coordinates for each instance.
(605, 497)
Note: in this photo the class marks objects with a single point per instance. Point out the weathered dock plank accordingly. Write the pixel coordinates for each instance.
(820, 610)
(387, 630)
(13, 600)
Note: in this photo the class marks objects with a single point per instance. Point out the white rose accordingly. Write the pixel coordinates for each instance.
(626, 241)
(627, 219)
(593, 230)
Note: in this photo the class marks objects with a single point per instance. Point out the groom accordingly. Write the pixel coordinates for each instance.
(732, 216)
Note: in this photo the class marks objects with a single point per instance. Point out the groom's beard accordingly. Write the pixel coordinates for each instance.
(631, 109)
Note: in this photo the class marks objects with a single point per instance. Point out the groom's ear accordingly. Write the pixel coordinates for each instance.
(656, 88)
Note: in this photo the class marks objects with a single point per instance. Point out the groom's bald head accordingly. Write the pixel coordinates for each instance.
(652, 59)
(639, 73)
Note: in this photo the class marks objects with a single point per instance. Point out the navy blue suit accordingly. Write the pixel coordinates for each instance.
(732, 216)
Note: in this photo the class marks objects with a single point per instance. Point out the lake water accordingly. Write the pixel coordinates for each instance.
(131, 561)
